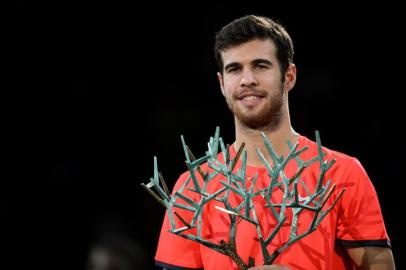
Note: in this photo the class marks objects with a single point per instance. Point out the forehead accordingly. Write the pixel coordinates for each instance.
(249, 51)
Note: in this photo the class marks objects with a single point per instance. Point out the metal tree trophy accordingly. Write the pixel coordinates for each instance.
(235, 183)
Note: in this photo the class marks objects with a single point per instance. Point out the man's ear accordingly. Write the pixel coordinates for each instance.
(290, 78)
(221, 81)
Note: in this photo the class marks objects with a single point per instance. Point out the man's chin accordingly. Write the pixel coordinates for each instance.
(253, 122)
(259, 122)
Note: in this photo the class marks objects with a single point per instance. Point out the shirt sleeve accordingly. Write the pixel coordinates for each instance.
(173, 251)
(360, 222)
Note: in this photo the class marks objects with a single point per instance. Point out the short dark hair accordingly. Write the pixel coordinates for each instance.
(252, 27)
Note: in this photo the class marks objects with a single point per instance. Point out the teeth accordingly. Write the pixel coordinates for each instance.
(249, 98)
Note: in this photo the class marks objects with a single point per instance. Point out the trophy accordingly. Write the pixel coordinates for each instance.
(232, 182)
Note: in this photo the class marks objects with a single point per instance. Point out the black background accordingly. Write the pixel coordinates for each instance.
(98, 89)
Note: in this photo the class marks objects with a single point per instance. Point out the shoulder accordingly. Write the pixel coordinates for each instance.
(328, 152)
(344, 164)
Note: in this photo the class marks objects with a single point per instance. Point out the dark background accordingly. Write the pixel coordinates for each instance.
(98, 89)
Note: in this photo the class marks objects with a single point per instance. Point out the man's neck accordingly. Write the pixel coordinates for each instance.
(253, 139)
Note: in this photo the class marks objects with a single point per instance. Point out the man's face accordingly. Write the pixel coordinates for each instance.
(251, 83)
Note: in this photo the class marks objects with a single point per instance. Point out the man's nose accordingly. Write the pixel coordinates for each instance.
(248, 79)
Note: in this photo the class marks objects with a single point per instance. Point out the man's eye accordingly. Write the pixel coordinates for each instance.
(233, 70)
(261, 67)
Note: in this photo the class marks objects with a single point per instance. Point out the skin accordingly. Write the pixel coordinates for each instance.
(372, 258)
(252, 69)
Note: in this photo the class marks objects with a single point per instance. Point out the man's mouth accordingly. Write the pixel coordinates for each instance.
(250, 98)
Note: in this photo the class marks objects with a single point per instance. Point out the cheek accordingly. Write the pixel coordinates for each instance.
(229, 93)
(274, 81)
(229, 87)
(231, 80)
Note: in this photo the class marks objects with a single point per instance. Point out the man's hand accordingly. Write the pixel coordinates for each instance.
(372, 258)
(270, 267)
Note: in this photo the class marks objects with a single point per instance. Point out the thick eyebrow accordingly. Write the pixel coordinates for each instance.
(262, 61)
(254, 62)
(232, 65)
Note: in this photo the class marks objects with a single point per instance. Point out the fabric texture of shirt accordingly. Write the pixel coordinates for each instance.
(356, 220)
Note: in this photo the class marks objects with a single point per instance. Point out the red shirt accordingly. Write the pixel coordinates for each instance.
(356, 220)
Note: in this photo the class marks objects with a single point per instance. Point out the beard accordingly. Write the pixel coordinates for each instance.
(266, 117)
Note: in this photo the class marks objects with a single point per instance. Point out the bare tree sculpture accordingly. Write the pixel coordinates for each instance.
(236, 183)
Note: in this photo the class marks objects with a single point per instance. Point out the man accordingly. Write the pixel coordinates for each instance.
(255, 58)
